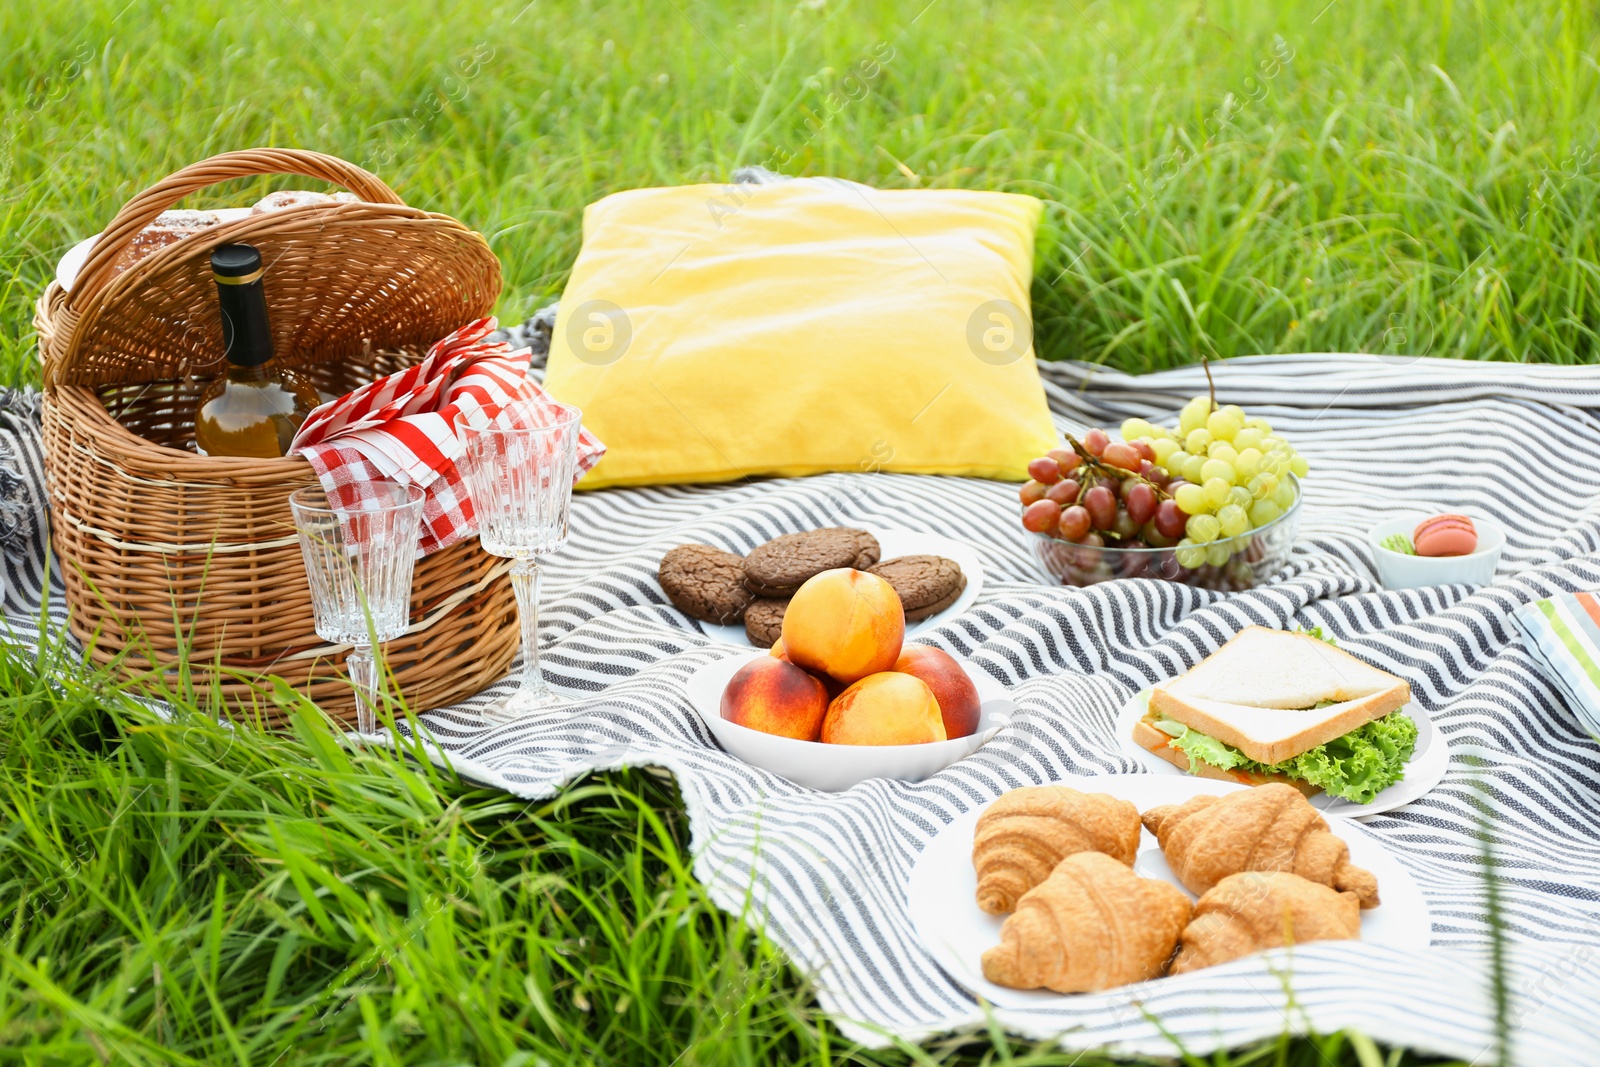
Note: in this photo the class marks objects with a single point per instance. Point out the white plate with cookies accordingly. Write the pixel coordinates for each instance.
(941, 895)
(892, 544)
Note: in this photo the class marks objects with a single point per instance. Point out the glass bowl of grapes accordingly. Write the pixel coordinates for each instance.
(1213, 502)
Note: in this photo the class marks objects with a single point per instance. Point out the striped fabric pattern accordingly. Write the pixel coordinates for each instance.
(827, 872)
(1563, 633)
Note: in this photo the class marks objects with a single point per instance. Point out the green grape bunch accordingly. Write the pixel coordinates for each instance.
(1229, 475)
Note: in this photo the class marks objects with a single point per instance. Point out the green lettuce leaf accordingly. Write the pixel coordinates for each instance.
(1316, 631)
(1197, 745)
(1357, 766)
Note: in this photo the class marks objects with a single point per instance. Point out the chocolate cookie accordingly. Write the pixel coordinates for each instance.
(704, 582)
(926, 584)
(763, 621)
(782, 565)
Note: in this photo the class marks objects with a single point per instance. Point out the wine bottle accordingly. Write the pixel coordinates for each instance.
(254, 406)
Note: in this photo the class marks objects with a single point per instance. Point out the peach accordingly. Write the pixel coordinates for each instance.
(776, 697)
(884, 709)
(846, 624)
(833, 687)
(952, 688)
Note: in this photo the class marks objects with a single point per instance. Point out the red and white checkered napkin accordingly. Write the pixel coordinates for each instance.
(402, 428)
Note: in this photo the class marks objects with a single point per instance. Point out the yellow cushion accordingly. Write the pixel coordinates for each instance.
(712, 332)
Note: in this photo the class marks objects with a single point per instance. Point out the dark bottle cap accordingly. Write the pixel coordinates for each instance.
(235, 264)
(242, 299)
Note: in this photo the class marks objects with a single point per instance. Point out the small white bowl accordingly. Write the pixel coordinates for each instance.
(835, 768)
(1396, 570)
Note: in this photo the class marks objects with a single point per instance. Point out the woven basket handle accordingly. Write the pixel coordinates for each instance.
(142, 210)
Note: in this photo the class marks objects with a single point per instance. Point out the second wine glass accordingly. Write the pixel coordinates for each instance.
(359, 558)
(519, 469)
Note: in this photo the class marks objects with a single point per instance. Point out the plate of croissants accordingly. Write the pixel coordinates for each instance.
(1098, 882)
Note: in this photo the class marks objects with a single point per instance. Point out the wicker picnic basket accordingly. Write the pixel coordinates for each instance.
(172, 558)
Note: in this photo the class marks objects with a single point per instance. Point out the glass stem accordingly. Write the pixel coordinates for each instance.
(363, 671)
(525, 583)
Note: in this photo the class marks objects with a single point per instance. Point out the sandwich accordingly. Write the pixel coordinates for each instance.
(1275, 706)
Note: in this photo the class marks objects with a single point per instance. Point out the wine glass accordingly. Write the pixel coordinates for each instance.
(519, 470)
(359, 558)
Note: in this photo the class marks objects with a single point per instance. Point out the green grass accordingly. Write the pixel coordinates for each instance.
(1222, 178)
(179, 892)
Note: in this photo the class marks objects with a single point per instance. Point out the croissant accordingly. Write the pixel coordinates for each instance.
(1026, 832)
(1248, 912)
(1093, 924)
(1266, 828)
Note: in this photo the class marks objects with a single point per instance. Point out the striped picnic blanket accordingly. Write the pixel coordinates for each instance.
(1519, 443)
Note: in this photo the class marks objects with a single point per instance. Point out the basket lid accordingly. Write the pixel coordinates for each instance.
(342, 279)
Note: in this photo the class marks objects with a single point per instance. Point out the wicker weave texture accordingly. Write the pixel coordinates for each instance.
(169, 555)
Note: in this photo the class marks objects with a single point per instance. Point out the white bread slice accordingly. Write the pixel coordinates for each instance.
(1160, 743)
(1253, 691)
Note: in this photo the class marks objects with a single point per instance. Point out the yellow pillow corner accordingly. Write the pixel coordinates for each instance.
(711, 333)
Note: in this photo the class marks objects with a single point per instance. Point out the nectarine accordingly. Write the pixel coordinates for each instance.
(884, 709)
(844, 623)
(952, 688)
(776, 697)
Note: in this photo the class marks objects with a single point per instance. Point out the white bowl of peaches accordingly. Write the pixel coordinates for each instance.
(840, 698)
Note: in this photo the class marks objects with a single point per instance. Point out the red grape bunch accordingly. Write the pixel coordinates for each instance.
(1102, 492)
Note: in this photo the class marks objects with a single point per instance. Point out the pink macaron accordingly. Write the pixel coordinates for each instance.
(1445, 535)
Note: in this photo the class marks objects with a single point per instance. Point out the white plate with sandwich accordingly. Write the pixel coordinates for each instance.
(1274, 705)
(941, 892)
